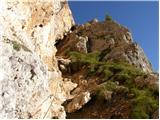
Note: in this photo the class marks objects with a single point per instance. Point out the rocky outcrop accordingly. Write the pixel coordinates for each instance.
(82, 44)
(105, 62)
(113, 40)
(97, 72)
(31, 85)
(63, 64)
(78, 102)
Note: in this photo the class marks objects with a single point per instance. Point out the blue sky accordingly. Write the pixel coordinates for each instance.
(141, 18)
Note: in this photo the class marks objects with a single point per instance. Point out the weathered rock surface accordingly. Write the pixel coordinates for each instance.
(63, 64)
(23, 84)
(151, 81)
(106, 63)
(31, 85)
(113, 40)
(82, 44)
(37, 24)
(78, 102)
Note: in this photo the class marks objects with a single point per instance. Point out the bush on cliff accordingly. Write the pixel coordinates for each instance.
(144, 101)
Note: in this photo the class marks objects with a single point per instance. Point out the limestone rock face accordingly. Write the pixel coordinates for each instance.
(37, 23)
(31, 85)
(23, 83)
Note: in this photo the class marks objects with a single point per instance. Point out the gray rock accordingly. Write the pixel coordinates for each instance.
(23, 84)
(139, 59)
(129, 37)
(95, 20)
(81, 45)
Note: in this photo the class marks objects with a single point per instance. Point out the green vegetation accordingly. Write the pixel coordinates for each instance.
(144, 101)
(144, 104)
(102, 89)
(90, 58)
(109, 85)
(108, 18)
(120, 70)
(81, 59)
(16, 46)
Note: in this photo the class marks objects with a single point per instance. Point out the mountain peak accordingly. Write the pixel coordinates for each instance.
(104, 36)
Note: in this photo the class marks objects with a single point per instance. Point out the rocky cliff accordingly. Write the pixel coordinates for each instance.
(31, 85)
(113, 40)
(114, 77)
(52, 68)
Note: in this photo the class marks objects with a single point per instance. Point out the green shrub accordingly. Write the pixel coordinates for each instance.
(104, 87)
(144, 103)
(109, 85)
(123, 72)
(81, 59)
(104, 53)
(107, 74)
(108, 18)
(121, 78)
(138, 113)
(115, 68)
(90, 58)
(119, 71)
(16, 46)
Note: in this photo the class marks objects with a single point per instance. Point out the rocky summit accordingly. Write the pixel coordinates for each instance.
(52, 68)
(114, 77)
